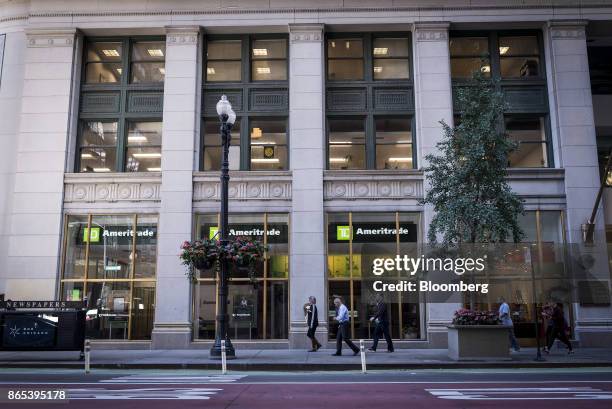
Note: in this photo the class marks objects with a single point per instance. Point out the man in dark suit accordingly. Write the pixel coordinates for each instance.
(312, 319)
(381, 319)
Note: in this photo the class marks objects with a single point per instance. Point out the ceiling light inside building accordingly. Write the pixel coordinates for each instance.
(338, 160)
(210, 71)
(119, 71)
(503, 50)
(400, 159)
(101, 169)
(137, 138)
(260, 160)
(154, 169)
(260, 51)
(162, 70)
(380, 51)
(347, 44)
(155, 52)
(333, 43)
(256, 133)
(486, 68)
(110, 53)
(378, 69)
(147, 155)
(86, 156)
(263, 143)
(263, 70)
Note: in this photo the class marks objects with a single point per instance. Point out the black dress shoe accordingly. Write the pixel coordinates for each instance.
(317, 348)
(390, 350)
(371, 350)
(312, 350)
(336, 354)
(355, 352)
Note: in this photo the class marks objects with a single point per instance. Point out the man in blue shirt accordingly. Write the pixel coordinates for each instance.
(506, 319)
(342, 316)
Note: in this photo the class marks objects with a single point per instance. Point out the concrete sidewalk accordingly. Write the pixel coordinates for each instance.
(296, 360)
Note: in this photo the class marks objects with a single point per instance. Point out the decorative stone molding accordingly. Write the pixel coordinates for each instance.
(306, 32)
(433, 31)
(394, 185)
(182, 35)
(50, 38)
(564, 29)
(92, 188)
(244, 186)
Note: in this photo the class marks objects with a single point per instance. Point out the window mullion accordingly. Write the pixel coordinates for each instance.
(494, 58)
(367, 57)
(246, 59)
(245, 144)
(370, 131)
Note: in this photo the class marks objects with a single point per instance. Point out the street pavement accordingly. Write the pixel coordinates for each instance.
(447, 388)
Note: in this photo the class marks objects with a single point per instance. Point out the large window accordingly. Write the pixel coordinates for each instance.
(110, 262)
(345, 59)
(515, 60)
(530, 135)
(258, 304)
(121, 106)
(351, 248)
(469, 54)
(369, 103)
(387, 146)
(253, 69)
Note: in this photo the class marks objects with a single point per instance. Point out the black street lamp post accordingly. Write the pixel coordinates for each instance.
(227, 117)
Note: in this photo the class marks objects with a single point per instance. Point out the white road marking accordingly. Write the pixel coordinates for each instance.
(570, 393)
(142, 393)
(177, 379)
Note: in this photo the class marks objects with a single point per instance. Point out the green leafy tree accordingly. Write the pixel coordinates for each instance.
(472, 200)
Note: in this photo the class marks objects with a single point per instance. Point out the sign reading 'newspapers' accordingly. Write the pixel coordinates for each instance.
(10, 305)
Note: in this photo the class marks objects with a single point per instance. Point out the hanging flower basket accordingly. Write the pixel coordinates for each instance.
(242, 252)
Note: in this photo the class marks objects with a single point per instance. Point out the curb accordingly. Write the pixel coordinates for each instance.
(306, 366)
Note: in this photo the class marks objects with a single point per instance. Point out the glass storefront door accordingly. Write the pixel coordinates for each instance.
(110, 262)
(353, 241)
(258, 304)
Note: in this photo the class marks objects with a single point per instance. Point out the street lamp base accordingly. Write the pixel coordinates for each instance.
(215, 351)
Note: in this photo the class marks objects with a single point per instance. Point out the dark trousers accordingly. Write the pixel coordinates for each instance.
(384, 329)
(311, 334)
(557, 332)
(343, 335)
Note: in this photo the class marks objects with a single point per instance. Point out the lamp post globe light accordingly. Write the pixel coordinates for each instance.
(227, 116)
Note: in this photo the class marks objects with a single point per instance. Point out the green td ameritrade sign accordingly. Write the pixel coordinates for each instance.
(375, 232)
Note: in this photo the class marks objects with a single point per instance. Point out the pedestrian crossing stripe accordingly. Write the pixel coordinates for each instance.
(173, 379)
(569, 393)
(142, 394)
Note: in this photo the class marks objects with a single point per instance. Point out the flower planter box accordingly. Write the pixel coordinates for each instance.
(478, 342)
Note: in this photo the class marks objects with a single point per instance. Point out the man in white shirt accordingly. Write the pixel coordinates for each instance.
(506, 319)
(342, 316)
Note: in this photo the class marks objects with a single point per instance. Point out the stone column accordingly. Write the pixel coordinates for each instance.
(36, 221)
(573, 120)
(434, 102)
(307, 135)
(172, 328)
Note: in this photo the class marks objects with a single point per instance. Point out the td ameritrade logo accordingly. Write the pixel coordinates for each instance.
(344, 233)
